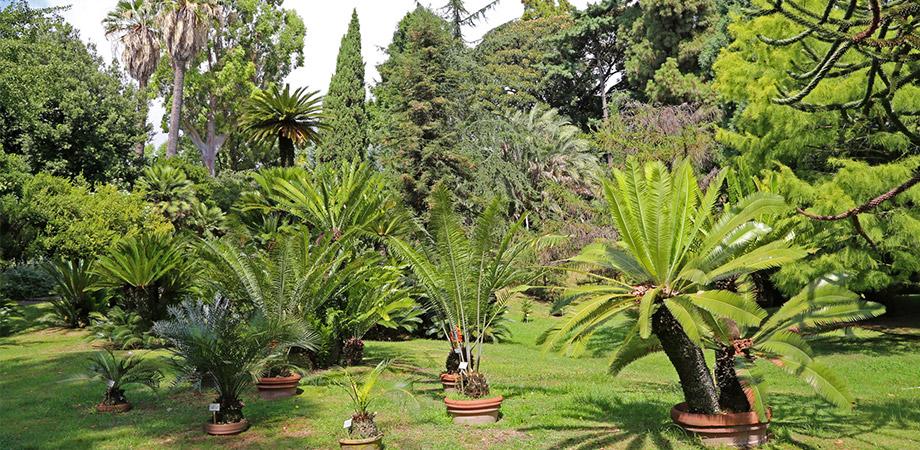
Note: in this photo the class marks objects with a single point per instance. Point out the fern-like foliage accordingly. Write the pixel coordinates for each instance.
(121, 372)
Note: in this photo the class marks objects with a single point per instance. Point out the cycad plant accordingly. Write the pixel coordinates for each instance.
(361, 393)
(291, 118)
(681, 263)
(78, 292)
(467, 276)
(122, 330)
(214, 344)
(170, 190)
(121, 372)
(149, 272)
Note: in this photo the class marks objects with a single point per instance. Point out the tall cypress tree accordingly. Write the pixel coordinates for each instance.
(346, 137)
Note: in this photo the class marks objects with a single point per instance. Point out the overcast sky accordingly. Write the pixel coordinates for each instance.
(326, 22)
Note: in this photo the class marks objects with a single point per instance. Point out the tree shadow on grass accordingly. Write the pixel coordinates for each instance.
(596, 422)
(877, 344)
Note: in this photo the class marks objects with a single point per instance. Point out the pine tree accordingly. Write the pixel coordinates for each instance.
(344, 103)
(419, 103)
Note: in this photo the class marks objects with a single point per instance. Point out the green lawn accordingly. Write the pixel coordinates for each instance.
(552, 401)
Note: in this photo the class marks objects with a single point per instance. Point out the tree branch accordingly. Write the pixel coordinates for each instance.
(871, 204)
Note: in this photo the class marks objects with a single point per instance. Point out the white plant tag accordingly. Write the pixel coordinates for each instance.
(111, 383)
(214, 407)
(347, 424)
(463, 365)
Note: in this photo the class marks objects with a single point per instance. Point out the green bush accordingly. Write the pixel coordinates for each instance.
(59, 218)
(9, 313)
(122, 330)
(25, 282)
(78, 291)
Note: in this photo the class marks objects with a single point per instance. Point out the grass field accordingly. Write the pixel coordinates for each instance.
(552, 401)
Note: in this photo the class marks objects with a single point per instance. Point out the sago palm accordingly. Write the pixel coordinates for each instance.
(675, 247)
(121, 372)
(292, 118)
(467, 275)
(132, 24)
(184, 26)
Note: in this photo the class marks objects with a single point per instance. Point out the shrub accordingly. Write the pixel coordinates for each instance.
(122, 330)
(9, 314)
(24, 282)
(78, 290)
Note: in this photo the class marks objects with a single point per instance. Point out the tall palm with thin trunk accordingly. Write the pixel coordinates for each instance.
(184, 25)
(132, 25)
(293, 118)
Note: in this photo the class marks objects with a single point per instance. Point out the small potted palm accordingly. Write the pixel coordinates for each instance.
(223, 348)
(119, 373)
(468, 277)
(363, 433)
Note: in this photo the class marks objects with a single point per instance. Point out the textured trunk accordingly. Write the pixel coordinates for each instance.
(172, 143)
(286, 146)
(731, 393)
(142, 108)
(212, 142)
(687, 358)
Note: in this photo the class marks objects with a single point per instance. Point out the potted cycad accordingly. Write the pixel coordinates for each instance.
(468, 276)
(119, 373)
(223, 348)
(363, 433)
(682, 269)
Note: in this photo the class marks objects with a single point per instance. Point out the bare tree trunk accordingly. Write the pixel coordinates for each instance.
(172, 143)
(142, 108)
(286, 148)
(731, 393)
(687, 358)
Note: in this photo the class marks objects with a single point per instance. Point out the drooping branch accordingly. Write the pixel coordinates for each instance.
(871, 204)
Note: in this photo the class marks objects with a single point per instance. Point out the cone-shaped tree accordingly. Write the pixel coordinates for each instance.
(293, 118)
(344, 102)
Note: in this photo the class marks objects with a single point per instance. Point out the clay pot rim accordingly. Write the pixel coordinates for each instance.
(280, 380)
(477, 403)
(226, 428)
(372, 439)
(450, 376)
(118, 407)
(681, 416)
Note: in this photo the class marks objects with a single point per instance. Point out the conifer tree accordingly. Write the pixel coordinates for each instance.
(419, 104)
(344, 106)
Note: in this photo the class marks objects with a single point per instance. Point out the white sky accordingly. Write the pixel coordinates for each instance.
(326, 22)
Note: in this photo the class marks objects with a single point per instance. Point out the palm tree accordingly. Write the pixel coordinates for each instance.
(184, 25)
(467, 276)
(132, 24)
(293, 118)
(675, 250)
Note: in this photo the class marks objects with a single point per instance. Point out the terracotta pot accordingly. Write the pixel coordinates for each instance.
(732, 429)
(116, 408)
(449, 381)
(274, 388)
(371, 443)
(474, 412)
(223, 429)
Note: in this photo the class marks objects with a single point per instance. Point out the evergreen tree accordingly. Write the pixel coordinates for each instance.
(343, 105)
(418, 105)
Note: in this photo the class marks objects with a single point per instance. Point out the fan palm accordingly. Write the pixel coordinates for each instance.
(184, 27)
(293, 118)
(132, 24)
(467, 276)
(674, 249)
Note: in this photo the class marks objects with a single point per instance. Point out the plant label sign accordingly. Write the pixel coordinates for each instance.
(347, 424)
(214, 407)
(463, 366)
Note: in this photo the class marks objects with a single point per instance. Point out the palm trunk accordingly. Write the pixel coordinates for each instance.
(731, 393)
(687, 358)
(172, 143)
(286, 147)
(142, 109)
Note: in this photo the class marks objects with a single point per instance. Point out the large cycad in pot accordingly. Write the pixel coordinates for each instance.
(132, 24)
(675, 249)
(291, 118)
(467, 275)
